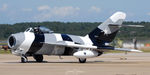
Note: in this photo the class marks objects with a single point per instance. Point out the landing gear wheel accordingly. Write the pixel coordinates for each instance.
(38, 58)
(82, 60)
(24, 59)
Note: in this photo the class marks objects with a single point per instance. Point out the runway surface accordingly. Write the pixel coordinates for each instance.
(107, 64)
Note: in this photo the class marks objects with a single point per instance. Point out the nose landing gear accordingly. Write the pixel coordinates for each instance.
(37, 57)
(24, 59)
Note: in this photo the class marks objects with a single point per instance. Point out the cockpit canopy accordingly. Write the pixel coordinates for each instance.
(39, 29)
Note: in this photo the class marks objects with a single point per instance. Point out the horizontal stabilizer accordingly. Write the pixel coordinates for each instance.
(133, 25)
(126, 25)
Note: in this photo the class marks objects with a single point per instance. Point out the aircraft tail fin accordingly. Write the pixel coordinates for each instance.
(107, 31)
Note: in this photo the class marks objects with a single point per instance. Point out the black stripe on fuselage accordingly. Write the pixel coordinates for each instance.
(95, 34)
(65, 37)
(98, 37)
(68, 50)
(37, 43)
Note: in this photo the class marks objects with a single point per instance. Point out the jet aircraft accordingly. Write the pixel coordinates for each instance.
(39, 41)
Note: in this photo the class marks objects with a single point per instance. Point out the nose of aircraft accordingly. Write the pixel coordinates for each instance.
(15, 40)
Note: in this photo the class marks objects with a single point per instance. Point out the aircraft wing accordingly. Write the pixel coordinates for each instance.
(73, 45)
(124, 49)
(119, 49)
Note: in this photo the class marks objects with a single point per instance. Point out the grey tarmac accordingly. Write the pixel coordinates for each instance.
(107, 64)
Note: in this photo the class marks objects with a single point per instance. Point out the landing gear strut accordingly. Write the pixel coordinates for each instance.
(82, 60)
(38, 58)
(24, 59)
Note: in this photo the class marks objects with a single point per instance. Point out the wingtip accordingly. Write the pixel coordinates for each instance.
(134, 50)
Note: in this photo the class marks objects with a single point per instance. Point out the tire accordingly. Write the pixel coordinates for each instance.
(82, 60)
(38, 58)
(24, 59)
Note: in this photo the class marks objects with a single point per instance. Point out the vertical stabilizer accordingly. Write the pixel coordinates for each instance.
(107, 31)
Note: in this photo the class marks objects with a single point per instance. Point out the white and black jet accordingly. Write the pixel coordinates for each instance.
(39, 41)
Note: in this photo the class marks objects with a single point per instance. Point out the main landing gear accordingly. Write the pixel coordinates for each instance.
(38, 58)
(82, 60)
(24, 59)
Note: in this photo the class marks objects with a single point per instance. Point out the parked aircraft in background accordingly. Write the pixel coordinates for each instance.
(39, 41)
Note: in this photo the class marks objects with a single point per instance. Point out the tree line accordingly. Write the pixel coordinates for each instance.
(76, 28)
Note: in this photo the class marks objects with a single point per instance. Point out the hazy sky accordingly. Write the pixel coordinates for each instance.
(14, 11)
